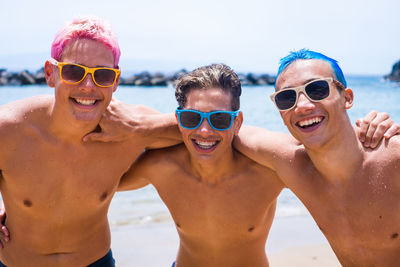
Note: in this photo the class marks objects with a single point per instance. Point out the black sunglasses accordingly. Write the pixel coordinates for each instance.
(315, 91)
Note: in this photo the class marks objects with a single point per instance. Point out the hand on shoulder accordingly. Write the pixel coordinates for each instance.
(122, 121)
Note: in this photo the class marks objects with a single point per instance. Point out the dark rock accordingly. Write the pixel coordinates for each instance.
(268, 79)
(177, 75)
(144, 78)
(13, 81)
(243, 79)
(395, 74)
(3, 81)
(159, 81)
(126, 81)
(252, 78)
(142, 81)
(39, 77)
(26, 78)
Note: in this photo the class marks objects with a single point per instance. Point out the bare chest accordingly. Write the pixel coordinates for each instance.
(363, 214)
(241, 205)
(46, 175)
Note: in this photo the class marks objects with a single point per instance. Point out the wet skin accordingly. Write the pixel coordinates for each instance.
(222, 203)
(351, 191)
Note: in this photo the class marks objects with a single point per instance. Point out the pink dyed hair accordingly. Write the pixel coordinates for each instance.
(89, 27)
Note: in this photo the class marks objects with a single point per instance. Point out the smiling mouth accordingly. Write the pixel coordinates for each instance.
(205, 145)
(85, 102)
(310, 122)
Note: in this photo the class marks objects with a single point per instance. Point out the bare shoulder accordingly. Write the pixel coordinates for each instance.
(253, 168)
(19, 120)
(394, 142)
(388, 149)
(393, 148)
(23, 112)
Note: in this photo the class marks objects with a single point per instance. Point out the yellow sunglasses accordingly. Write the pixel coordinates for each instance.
(74, 73)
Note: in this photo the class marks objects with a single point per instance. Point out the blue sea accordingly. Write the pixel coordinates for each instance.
(145, 207)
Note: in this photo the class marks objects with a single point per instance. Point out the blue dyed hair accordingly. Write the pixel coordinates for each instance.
(308, 54)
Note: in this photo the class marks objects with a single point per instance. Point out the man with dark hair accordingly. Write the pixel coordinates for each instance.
(222, 202)
(352, 192)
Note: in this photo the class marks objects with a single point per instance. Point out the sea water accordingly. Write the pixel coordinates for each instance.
(143, 206)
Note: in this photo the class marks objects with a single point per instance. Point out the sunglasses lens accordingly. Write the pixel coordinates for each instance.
(72, 73)
(189, 119)
(318, 90)
(221, 120)
(285, 99)
(104, 77)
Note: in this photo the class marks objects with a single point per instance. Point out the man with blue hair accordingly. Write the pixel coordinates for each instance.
(352, 192)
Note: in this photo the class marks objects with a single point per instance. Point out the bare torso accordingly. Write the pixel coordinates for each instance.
(56, 193)
(360, 215)
(220, 224)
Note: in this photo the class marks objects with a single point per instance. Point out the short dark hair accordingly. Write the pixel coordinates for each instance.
(211, 76)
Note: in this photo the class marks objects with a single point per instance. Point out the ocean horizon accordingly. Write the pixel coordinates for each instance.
(35, 61)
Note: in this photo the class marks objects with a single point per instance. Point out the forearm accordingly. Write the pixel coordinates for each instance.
(163, 126)
(164, 131)
(265, 147)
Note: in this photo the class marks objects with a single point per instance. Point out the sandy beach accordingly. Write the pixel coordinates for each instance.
(293, 241)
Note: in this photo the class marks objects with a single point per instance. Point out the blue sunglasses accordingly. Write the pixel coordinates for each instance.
(218, 120)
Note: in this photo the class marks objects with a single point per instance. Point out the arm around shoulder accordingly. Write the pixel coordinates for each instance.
(122, 121)
(265, 147)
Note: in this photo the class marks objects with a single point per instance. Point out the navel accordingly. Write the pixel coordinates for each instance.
(251, 229)
(27, 203)
(380, 216)
(103, 196)
(394, 236)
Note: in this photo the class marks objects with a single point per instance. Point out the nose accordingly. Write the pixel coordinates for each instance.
(304, 105)
(87, 84)
(205, 129)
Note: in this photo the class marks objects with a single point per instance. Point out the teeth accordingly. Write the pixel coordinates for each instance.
(310, 121)
(85, 102)
(205, 144)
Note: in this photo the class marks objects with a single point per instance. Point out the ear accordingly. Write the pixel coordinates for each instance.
(49, 74)
(238, 122)
(348, 98)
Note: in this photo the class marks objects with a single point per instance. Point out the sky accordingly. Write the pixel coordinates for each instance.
(250, 36)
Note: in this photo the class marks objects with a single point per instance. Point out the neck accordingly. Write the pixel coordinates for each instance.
(214, 171)
(67, 128)
(340, 157)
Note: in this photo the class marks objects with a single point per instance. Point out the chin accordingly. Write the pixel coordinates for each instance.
(88, 118)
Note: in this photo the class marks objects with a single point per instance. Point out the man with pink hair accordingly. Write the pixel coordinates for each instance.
(55, 187)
